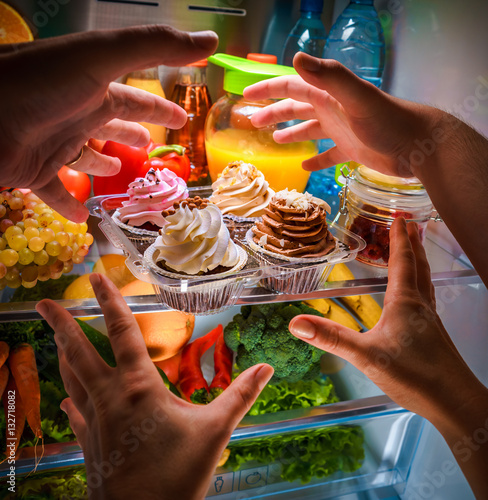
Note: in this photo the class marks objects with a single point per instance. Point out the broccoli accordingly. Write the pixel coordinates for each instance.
(259, 334)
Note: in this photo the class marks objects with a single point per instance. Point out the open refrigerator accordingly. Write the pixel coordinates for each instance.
(404, 457)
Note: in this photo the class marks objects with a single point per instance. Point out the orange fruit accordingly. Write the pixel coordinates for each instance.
(165, 332)
(13, 28)
(113, 266)
(137, 287)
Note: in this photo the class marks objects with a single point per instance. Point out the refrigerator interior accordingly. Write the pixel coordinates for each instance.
(437, 55)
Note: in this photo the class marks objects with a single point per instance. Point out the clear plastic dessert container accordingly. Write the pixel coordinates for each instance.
(293, 275)
(209, 294)
(141, 238)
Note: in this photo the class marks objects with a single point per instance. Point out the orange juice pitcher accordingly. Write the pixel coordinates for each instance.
(230, 136)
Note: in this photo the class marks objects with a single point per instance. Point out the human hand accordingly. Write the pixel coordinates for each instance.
(367, 125)
(60, 94)
(408, 354)
(137, 437)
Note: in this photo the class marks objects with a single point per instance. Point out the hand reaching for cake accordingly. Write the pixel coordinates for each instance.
(61, 93)
(394, 136)
(409, 354)
(138, 438)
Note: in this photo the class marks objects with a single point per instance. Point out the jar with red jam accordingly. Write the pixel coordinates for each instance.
(371, 201)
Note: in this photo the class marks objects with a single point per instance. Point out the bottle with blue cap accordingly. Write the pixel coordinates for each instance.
(230, 135)
(308, 35)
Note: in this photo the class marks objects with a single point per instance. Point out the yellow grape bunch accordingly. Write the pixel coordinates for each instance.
(36, 243)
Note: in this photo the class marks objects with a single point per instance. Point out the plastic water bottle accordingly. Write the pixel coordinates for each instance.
(323, 184)
(356, 40)
(308, 35)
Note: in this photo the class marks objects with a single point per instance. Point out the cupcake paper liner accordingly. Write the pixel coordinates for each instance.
(141, 238)
(311, 275)
(207, 297)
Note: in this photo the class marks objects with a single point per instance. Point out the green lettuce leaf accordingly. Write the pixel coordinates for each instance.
(292, 395)
(304, 455)
(58, 485)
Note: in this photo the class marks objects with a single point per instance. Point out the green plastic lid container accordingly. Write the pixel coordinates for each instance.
(240, 72)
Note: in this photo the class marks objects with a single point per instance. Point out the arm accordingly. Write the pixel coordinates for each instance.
(61, 93)
(139, 439)
(391, 135)
(411, 357)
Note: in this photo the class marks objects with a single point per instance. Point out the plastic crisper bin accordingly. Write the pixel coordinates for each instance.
(214, 293)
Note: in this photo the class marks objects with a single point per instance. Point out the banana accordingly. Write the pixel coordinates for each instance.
(367, 310)
(333, 311)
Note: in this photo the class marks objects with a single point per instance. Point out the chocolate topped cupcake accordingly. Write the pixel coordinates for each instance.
(294, 225)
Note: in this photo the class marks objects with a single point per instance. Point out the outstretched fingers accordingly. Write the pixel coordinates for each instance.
(304, 131)
(424, 281)
(237, 399)
(123, 331)
(402, 265)
(341, 83)
(331, 337)
(81, 357)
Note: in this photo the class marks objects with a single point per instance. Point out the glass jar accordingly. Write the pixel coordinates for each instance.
(230, 136)
(371, 201)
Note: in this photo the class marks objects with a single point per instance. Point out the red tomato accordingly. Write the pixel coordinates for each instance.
(132, 160)
(76, 183)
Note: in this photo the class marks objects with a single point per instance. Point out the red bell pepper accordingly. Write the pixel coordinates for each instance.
(172, 157)
(223, 360)
(192, 382)
(133, 165)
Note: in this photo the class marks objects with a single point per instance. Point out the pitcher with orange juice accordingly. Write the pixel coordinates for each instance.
(230, 136)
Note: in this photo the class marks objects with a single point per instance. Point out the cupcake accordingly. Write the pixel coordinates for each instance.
(241, 192)
(195, 245)
(294, 229)
(141, 215)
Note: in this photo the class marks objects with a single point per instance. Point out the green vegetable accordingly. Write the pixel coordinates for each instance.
(100, 341)
(61, 484)
(304, 455)
(53, 289)
(36, 333)
(289, 396)
(260, 334)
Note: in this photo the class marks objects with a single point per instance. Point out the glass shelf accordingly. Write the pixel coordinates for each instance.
(448, 268)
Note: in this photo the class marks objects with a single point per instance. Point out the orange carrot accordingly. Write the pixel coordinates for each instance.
(4, 373)
(14, 416)
(22, 362)
(4, 350)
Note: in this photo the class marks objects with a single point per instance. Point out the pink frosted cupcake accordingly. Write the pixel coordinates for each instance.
(141, 215)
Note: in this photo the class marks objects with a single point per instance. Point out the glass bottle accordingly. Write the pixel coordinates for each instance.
(192, 94)
(148, 79)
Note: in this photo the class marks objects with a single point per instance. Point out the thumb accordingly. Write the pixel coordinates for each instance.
(329, 336)
(238, 398)
(341, 83)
